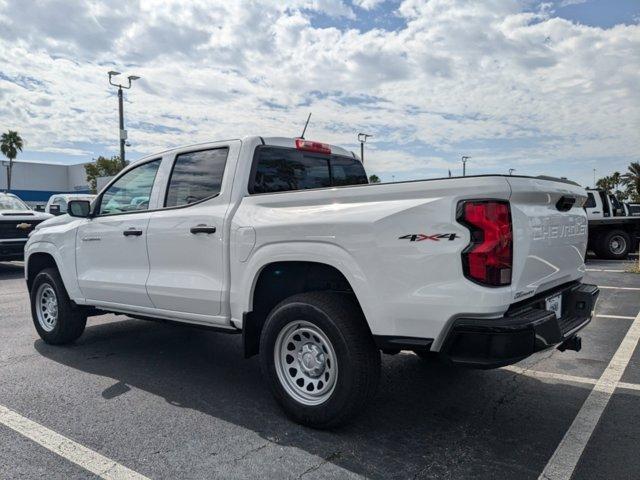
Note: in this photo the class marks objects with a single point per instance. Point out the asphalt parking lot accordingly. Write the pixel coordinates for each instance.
(143, 399)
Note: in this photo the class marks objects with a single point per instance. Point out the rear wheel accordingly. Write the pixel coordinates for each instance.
(319, 358)
(614, 245)
(56, 318)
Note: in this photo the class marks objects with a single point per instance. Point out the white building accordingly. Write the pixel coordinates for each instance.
(34, 181)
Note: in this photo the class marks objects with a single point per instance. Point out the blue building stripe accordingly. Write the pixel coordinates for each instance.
(41, 195)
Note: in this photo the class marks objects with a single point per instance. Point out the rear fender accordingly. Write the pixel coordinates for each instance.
(242, 292)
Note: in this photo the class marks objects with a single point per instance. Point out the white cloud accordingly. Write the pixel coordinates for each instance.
(493, 78)
(368, 4)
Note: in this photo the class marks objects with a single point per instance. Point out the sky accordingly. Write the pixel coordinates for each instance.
(547, 88)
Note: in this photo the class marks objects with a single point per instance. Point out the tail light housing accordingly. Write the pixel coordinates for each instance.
(488, 259)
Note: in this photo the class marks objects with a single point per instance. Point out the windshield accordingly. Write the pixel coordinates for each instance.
(12, 203)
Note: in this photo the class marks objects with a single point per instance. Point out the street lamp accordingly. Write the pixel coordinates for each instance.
(123, 132)
(464, 165)
(362, 138)
(511, 170)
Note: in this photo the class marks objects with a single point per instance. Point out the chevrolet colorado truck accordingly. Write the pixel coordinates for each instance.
(283, 241)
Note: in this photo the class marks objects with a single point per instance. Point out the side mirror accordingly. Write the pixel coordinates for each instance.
(79, 208)
(54, 209)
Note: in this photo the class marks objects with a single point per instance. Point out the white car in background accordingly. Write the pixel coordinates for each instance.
(57, 204)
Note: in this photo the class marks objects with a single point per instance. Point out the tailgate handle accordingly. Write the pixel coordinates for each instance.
(565, 203)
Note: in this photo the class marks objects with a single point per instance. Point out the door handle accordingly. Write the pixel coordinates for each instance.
(203, 229)
(132, 232)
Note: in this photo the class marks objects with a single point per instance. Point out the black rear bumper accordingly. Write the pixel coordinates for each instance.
(526, 328)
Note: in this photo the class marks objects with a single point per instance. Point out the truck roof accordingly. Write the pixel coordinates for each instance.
(287, 142)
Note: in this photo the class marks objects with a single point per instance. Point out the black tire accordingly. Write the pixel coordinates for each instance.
(614, 245)
(70, 320)
(338, 317)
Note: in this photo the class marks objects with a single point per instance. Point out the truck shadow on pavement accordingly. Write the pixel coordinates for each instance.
(428, 419)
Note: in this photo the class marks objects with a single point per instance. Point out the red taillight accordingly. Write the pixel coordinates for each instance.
(489, 257)
(309, 146)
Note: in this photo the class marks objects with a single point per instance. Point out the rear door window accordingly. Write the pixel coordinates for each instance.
(196, 176)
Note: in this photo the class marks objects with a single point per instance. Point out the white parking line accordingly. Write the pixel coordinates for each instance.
(608, 287)
(66, 448)
(550, 375)
(604, 270)
(629, 386)
(563, 377)
(620, 317)
(566, 457)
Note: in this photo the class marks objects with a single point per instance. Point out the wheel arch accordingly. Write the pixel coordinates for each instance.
(277, 280)
(35, 263)
(46, 254)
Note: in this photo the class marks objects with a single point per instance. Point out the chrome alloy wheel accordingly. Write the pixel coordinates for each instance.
(305, 362)
(617, 244)
(47, 307)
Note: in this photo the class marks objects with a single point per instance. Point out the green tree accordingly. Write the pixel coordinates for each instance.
(10, 144)
(374, 179)
(631, 179)
(102, 167)
(605, 183)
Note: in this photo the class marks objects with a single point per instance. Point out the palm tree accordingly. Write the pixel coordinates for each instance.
(10, 144)
(632, 179)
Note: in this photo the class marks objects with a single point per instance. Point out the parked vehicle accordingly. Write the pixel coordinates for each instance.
(632, 209)
(283, 241)
(17, 220)
(57, 204)
(614, 227)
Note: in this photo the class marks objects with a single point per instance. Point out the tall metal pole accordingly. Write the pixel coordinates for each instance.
(123, 132)
(464, 165)
(122, 135)
(362, 138)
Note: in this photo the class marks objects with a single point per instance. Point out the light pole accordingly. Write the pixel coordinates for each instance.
(464, 165)
(594, 178)
(511, 170)
(123, 132)
(362, 138)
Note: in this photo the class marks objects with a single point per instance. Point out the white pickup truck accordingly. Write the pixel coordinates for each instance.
(284, 241)
(614, 226)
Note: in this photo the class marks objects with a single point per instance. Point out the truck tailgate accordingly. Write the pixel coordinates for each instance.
(550, 239)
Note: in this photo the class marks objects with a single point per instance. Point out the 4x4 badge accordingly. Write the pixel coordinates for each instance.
(419, 237)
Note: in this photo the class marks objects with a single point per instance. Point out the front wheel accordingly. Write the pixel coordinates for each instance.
(56, 318)
(319, 358)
